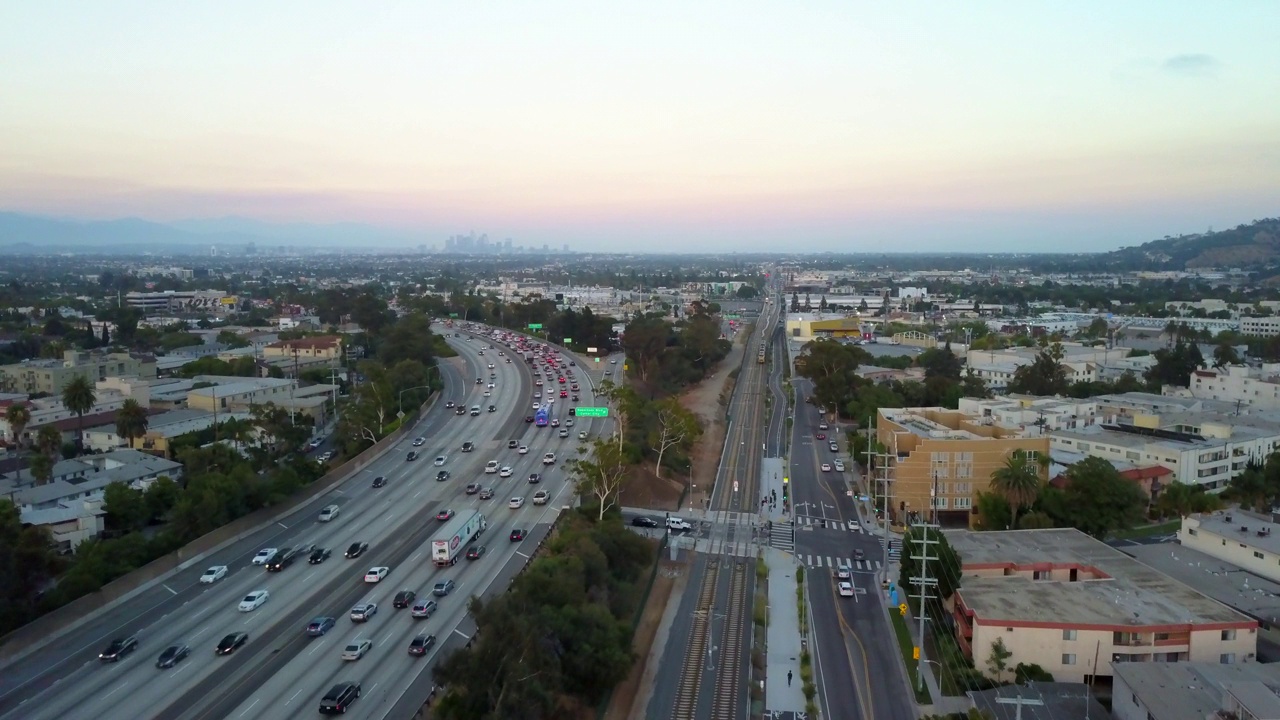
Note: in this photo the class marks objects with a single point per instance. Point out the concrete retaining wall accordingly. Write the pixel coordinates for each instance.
(40, 631)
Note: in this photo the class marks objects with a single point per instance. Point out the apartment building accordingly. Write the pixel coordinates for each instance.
(1260, 326)
(1201, 448)
(1195, 691)
(308, 350)
(1244, 539)
(51, 410)
(1239, 385)
(950, 452)
(231, 393)
(1059, 599)
(1035, 413)
(51, 376)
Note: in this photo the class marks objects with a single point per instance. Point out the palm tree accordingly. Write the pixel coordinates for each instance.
(79, 396)
(49, 441)
(18, 416)
(131, 421)
(41, 468)
(1018, 481)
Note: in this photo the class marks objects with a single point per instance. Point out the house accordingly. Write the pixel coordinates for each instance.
(326, 348)
(69, 523)
(85, 478)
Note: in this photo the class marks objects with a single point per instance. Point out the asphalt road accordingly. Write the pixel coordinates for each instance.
(280, 672)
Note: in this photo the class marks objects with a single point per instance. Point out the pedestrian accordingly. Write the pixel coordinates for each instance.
(788, 678)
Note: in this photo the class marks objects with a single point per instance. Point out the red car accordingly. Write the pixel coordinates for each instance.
(444, 515)
(821, 436)
(564, 393)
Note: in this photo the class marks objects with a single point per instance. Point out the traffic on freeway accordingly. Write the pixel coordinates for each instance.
(270, 639)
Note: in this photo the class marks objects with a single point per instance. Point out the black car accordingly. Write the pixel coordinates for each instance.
(449, 404)
(339, 698)
(493, 408)
(513, 444)
(118, 649)
(644, 521)
(282, 560)
(517, 535)
(528, 418)
(319, 555)
(459, 410)
(473, 488)
(573, 410)
(320, 625)
(403, 599)
(357, 549)
(476, 552)
(421, 644)
(413, 455)
(172, 655)
(442, 476)
(231, 642)
(468, 446)
(534, 478)
(380, 481)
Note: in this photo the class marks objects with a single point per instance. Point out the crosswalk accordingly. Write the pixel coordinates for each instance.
(826, 561)
(782, 535)
(817, 522)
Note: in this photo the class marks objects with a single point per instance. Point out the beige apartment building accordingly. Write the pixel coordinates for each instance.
(928, 449)
(51, 376)
(308, 349)
(1059, 599)
(1244, 539)
(237, 393)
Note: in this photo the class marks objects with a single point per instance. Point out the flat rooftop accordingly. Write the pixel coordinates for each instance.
(1194, 690)
(1131, 593)
(1225, 582)
(1218, 524)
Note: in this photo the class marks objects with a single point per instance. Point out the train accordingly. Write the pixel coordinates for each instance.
(760, 357)
(542, 416)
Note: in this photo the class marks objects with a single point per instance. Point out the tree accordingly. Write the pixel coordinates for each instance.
(48, 440)
(41, 468)
(1046, 375)
(944, 562)
(106, 335)
(1097, 500)
(746, 292)
(131, 421)
(646, 339)
(1018, 482)
(126, 508)
(994, 512)
(676, 428)
(972, 386)
(79, 396)
(1181, 499)
(160, 497)
(27, 565)
(232, 339)
(409, 338)
(1174, 365)
(600, 473)
(1225, 354)
(998, 660)
(941, 362)
(18, 417)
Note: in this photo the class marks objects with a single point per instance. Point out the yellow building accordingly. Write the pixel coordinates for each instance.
(308, 349)
(924, 446)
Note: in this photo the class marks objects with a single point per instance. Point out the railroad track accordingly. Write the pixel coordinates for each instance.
(729, 673)
(686, 707)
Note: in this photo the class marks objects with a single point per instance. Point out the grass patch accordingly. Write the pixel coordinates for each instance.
(441, 348)
(908, 650)
(762, 570)
(1144, 531)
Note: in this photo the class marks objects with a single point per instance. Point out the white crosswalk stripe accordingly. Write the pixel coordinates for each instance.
(826, 561)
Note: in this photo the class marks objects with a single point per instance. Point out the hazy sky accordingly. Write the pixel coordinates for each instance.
(846, 126)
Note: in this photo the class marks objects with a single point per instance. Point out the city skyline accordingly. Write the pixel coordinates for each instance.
(661, 127)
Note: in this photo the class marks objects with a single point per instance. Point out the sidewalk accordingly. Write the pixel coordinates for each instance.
(783, 635)
(942, 704)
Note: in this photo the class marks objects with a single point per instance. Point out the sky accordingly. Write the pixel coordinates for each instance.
(838, 126)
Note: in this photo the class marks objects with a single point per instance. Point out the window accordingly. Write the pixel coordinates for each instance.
(1227, 658)
(1068, 634)
(1068, 658)
(1257, 554)
(964, 471)
(1228, 635)
(1084, 447)
(962, 503)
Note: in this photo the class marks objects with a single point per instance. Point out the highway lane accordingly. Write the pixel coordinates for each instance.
(203, 618)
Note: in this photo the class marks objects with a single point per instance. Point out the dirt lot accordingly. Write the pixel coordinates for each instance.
(644, 490)
(708, 400)
(626, 694)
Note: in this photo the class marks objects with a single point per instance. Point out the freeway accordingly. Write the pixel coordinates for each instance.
(280, 672)
(854, 641)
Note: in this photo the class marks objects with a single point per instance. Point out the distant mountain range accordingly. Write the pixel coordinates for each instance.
(1252, 246)
(31, 234)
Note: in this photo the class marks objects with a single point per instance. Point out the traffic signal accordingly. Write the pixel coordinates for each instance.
(786, 488)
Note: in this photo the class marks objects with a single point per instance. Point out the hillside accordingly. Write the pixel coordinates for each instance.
(1252, 246)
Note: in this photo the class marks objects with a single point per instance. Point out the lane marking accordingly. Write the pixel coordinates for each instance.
(286, 527)
(199, 632)
(179, 669)
(113, 692)
(308, 577)
(246, 710)
(166, 587)
(295, 695)
(316, 647)
(416, 556)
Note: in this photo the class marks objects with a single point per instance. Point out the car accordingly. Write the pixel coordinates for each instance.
(440, 460)
(843, 571)
(423, 609)
(838, 465)
(403, 599)
(376, 574)
(380, 481)
(356, 549)
(118, 648)
(493, 408)
(213, 574)
(517, 535)
(421, 644)
(254, 600)
(476, 552)
(444, 515)
(340, 697)
(823, 426)
(607, 373)
(515, 503)
(540, 497)
(356, 649)
(575, 399)
(420, 441)
(564, 393)
(537, 396)
(460, 411)
(320, 625)
(490, 366)
(318, 556)
(524, 449)
(230, 643)
(172, 655)
(264, 556)
(859, 555)
(613, 362)
(582, 435)
(555, 422)
(486, 494)
(549, 459)
(473, 488)
(413, 455)
(488, 393)
(326, 456)
(444, 587)
(573, 410)
(468, 446)
(561, 380)
(826, 467)
(491, 467)
(528, 418)
(534, 478)
(644, 521)
(833, 447)
(564, 432)
(820, 436)
(505, 471)
(513, 444)
(283, 559)
(846, 589)
(450, 404)
(363, 612)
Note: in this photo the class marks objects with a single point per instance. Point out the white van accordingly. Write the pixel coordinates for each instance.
(328, 513)
(676, 523)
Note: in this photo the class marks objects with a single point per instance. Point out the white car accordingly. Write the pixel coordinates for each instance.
(419, 441)
(356, 649)
(376, 574)
(540, 497)
(523, 449)
(488, 393)
(491, 466)
(441, 460)
(490, 366)
(823, 426)
(515, 503)
(214, 574)
(582, 435)
(555, 422)
(846, 589)
(505, 471)
(838, 465)
(264, 556)
(492, 386)
(826, 467)
(843, 572)
(549, 459)
(254, 600)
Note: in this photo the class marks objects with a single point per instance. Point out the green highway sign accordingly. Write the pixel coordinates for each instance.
(593, 412)
(535, 326)
(567, 341)
(453, 315)
(597, 359)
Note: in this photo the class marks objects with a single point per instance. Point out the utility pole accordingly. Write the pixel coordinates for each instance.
(1020, 702)
(928, 530)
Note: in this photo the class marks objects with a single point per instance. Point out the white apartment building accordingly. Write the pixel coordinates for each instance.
(1244, 539)
(1260, 326)
(997, 367)
(1035, 414)
(1205, 449)
(51, 410)
(1255, 387)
